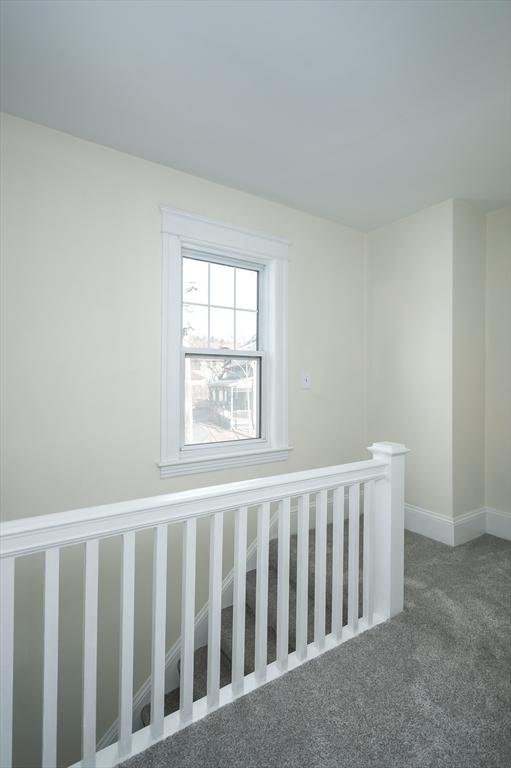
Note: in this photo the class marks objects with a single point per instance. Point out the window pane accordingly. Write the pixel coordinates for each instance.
(195, 281)
(221, 399)
(246, 288)
(221, 332)
(222, 285)
(246, 330)
(195, 326)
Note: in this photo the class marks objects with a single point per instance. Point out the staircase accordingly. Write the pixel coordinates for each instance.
(318, 571)
(201, 654)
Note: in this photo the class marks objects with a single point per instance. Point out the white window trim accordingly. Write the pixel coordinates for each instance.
(183, 231)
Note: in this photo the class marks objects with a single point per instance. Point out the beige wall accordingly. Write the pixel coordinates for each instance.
(498, 360)
(81, 261)
(468, 357)
(81, 323)
(438, 352)
(409, 348)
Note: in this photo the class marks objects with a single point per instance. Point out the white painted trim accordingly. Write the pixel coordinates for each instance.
(225, 461)
(430, 524)
(498, 523)
(458, 530)
(190, 226)
(469, 526)
(182, 232)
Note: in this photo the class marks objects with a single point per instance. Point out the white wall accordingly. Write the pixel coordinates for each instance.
(498, 360)
(81, 263)
(409, 348)
(468, 357)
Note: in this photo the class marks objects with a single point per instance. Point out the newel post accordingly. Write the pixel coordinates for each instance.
(389, 529)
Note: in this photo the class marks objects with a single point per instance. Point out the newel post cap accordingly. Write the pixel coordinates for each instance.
(389, 449)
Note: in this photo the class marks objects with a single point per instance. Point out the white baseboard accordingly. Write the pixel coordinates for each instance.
(469, 526)
(430, 524)
(458, 530)
(498, 523)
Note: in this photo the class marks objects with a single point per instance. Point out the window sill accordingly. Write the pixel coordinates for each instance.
(221, 461)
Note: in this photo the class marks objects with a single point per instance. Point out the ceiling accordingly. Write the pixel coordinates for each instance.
(361, 112)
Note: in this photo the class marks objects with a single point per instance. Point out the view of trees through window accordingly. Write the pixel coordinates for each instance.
(220, 314)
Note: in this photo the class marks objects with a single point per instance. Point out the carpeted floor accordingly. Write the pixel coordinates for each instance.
(428, 689)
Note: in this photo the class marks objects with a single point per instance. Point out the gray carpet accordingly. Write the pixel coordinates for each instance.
(431, 687)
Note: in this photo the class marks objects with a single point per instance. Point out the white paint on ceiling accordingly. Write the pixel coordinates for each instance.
(361, 112)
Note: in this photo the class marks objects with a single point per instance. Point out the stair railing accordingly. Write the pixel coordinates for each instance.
(382, 480)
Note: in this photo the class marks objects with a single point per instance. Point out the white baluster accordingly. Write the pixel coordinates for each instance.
(214, 608)
(239, 590)
(188, 620)
(159, 627)
(51, 656)
(353, 545)
(90, 650)
(126, 640)
(261, 628)
(368, 552)
(337, 561)
(283, 584)
(320, 569)
(6, 658)
(302, 576)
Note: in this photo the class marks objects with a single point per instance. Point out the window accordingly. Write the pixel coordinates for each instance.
(222, 351)
(224, 346)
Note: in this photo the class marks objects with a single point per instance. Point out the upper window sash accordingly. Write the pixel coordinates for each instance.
(243, 306)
